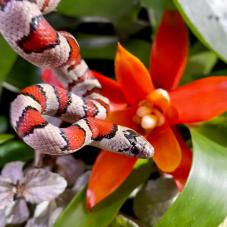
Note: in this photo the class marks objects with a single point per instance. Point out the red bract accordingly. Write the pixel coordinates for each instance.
(154, 112)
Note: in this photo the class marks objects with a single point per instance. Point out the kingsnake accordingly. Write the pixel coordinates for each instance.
(80, 102)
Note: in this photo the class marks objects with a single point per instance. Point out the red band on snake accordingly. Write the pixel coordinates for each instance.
(80, 102)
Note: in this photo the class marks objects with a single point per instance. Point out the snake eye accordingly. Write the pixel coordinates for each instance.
(130, 135)
(135, 150)
(140, 147)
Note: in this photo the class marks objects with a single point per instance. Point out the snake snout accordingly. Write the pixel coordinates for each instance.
(146, 150)
(140, 147)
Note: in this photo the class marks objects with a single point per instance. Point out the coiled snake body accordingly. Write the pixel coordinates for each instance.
(24, 27)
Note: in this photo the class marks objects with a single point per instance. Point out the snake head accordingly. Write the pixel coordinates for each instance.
(138, 145)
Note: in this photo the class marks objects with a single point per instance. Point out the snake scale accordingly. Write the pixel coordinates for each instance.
(80, 102)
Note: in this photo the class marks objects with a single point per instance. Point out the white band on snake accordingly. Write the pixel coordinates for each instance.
(81, 103)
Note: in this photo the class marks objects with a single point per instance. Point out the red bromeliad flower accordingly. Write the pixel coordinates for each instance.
(152, 104)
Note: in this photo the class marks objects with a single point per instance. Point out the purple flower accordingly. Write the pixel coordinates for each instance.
(32, 185)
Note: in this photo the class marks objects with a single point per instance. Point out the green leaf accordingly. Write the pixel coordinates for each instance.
(220, 72)
(7, 59)
(3, 124)
(224, 223)
(215, 129)
(207, 19)
(112, 10)
(101, 52)
(122, 14)
(199, 65)
(139, 48)
(59, 21)
(97, 47)
(76, 214)
(5, 137)
(13, 151)
(155, 10)
(104, 47)
(197, 48)
(122, 221)
(203, 202)
(23, 74)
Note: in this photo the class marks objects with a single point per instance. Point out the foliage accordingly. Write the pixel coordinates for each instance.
(99, 26)
(104, 213)
(207, 180)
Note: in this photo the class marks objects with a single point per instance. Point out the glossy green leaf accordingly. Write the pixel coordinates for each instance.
(215, 129)
(7, 59)
(111, 10)
(5, 137)
(104, 47)
(203, 202)
(123, 14)
(199, 65)
(97, 47)
(77, 215)
(207, 19)
(13, 151)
